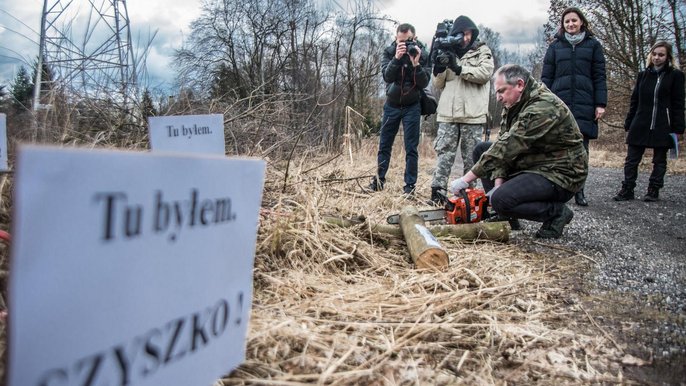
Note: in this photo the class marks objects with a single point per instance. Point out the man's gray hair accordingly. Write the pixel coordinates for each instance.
(512, 73)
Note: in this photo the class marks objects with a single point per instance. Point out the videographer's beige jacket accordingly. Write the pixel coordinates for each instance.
(465, 97)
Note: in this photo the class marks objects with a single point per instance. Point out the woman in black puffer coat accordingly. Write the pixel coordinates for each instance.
(655, 118)
(574, 69)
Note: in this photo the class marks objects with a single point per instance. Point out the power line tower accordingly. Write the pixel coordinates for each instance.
(85, 47)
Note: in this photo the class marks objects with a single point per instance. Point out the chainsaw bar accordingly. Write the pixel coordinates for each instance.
(427, 215)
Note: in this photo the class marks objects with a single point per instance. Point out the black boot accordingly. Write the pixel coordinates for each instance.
(624, 194)
(580, 198)
(652, 195)
(375, 185)
(515, 225)
(552, 229)
(438, 197)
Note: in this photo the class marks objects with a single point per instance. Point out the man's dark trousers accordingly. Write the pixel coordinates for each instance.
(392, 116)
(528, 196)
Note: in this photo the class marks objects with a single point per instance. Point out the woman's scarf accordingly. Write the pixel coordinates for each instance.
(575, 39)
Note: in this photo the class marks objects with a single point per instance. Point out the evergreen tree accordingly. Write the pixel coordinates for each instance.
(147, 106)
(22, 90)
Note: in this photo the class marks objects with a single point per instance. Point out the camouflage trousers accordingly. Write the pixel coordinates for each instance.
(449, 136)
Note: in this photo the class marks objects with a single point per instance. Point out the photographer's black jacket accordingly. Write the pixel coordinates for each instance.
(403, 81)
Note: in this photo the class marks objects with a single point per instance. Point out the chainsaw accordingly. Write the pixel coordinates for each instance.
(468, 206)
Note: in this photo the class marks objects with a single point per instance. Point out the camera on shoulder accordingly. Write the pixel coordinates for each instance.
(443, 44)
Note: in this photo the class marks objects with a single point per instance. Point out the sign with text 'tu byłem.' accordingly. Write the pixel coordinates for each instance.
(188, 134)
(124, 273)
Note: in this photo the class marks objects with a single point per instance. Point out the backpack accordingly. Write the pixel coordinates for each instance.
(427, 101)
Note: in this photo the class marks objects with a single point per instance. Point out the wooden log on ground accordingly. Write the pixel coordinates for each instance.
(425, 250)
(493, 231)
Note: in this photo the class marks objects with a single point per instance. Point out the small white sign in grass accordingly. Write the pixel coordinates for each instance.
(123, 273)
(188, 134)
(4, 166)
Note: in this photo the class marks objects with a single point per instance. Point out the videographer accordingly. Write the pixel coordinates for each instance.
(402, 66)
(462, 69)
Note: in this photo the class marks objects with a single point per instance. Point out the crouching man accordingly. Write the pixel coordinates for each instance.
(538, 161)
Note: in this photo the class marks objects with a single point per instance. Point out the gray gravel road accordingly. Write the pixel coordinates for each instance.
(640, 250)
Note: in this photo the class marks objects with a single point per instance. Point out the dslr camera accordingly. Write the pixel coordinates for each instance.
(444, 44)
(412, 48)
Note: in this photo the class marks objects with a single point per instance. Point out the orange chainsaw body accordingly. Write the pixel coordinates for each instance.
(468, 206)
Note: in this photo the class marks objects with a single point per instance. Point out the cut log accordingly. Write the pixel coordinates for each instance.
(493, 231)
(425, 250)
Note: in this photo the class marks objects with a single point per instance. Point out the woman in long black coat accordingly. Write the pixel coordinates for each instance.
(574, 69)
(655, 118)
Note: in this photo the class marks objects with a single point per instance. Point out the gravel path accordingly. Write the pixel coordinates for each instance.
(640, 275)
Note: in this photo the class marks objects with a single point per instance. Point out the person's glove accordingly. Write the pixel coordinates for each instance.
(438, 69)
(458, 185)
(452, 64)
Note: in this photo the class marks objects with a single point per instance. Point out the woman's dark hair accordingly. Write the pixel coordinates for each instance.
(584, 26)
(670, 62)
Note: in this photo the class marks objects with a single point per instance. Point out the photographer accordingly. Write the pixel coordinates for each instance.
(402, 66)
(462, 70)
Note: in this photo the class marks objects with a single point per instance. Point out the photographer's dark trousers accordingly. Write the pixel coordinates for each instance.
(392, 117)
(528, 196)
(633, 158)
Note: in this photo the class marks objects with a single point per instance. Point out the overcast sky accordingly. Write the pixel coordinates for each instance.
(516, 21)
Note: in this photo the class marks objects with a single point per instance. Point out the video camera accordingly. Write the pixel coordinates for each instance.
(444, 44)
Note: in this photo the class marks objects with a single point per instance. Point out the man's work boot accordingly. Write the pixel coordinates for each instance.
(652, 195)
(375, 186)
(580, 198)
(514, 223)
(438, 197)
(552, 229)
(408, 191)
(624, 194)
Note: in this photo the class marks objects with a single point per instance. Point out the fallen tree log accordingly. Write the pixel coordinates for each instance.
(493, 231)
(425, 250)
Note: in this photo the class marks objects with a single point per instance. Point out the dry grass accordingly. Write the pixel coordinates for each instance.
(613, 159)
(344, 306)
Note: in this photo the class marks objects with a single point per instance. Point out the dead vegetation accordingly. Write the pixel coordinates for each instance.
(344, 306)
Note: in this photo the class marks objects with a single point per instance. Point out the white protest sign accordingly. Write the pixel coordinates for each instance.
(125, 274)
(188, 134)
(3, 143)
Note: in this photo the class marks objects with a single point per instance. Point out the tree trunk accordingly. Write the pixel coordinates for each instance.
(493, 231)
(425, 250)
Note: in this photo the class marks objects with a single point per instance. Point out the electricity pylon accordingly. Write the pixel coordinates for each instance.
(86, 47)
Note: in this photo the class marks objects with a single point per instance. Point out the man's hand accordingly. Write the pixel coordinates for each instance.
(458, 185)
(400, 50)
(415, 59)
(452, 64)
